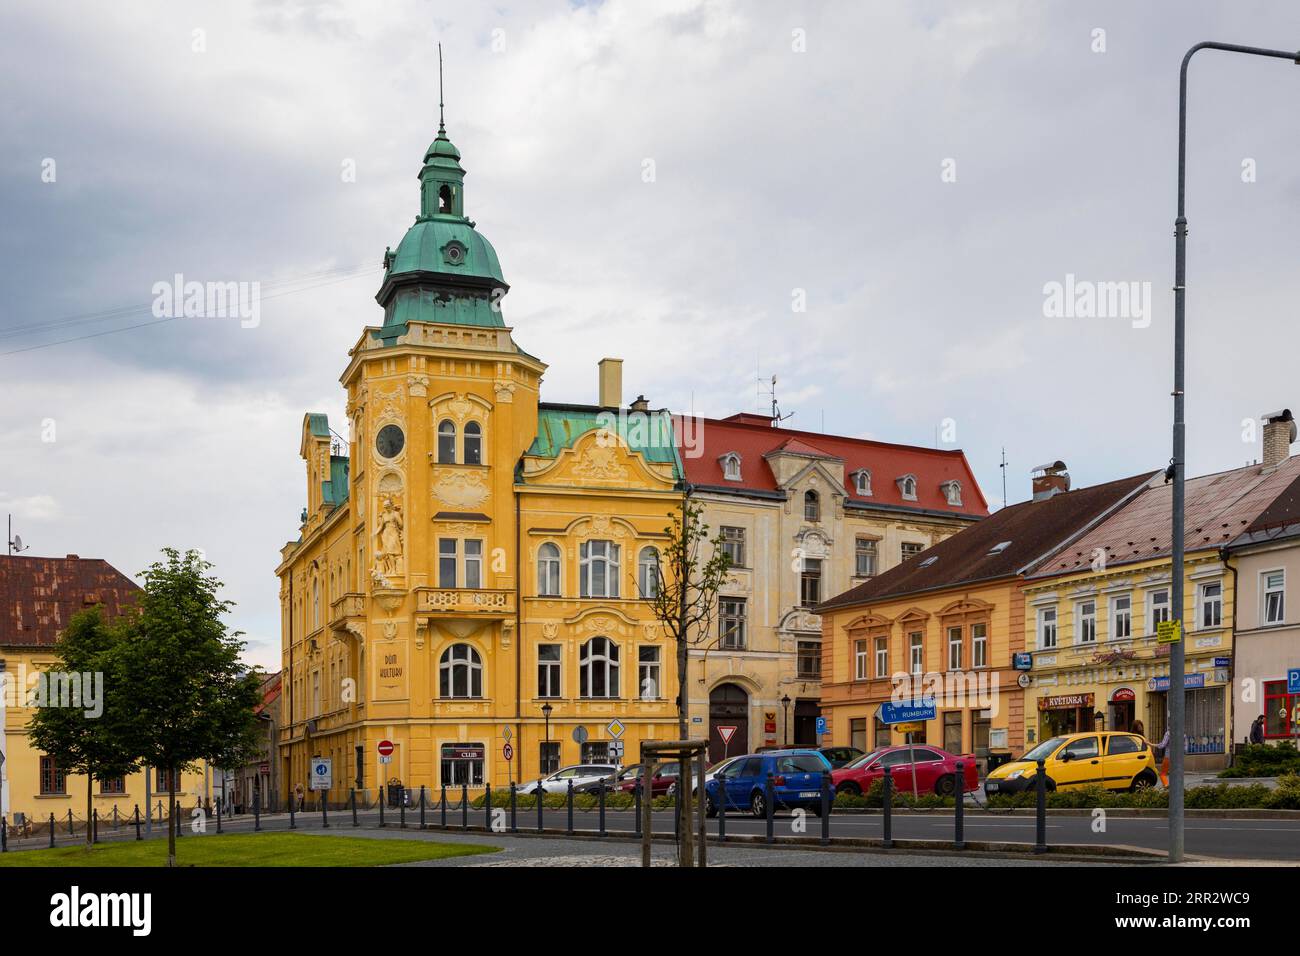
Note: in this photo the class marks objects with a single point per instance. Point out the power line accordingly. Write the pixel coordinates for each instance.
(142, 325)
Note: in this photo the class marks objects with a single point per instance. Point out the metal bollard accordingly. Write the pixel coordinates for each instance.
(401, 809)
(514, 808)
(444, 806)
(352, 799)
(137, 822)
(601, 800)
(487, 807)
(887, 782)
(382, 800)
(176, 809)
(94, 825)
(421, 806)
(959, 809)
(827, 803)
(464, 806)
(4, 835)
(570, 799)
(540, 795)
(324, 810)
(1040, 787)
(71, 826)
(722, 808)
(51, 831)
(769, 799)
(677, 811)
(636, 805)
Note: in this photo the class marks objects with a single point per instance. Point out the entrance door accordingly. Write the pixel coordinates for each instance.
(728, 707)
(806, 713)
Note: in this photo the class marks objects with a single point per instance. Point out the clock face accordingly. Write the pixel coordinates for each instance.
(389, 441)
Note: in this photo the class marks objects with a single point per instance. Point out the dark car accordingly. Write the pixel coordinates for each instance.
(665, 776)
(838, 756)
(742, 784)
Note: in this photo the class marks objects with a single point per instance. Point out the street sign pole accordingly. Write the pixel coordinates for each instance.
(911, 758)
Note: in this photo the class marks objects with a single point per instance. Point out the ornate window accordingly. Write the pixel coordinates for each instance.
(473, 443)
(907, 487)
(648, 573)
(952, 492)
(446, 442)
(731, 466)
(598, 668)
(862, 482)
(812, 506)
(599, 567)
(548, 570)
(460, 673)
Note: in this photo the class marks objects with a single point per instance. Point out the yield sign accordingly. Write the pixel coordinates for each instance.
(726, 734)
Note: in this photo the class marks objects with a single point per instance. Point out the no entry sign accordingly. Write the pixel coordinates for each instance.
(385, 748)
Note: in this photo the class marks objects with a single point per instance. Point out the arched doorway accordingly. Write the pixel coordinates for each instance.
(728, 707)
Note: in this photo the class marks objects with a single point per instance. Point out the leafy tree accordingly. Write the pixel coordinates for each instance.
(82, 722)
(190, 697)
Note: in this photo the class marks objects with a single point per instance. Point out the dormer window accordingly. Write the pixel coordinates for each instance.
(862, 483)
(907, 487)
(731, 466)
(952, 492)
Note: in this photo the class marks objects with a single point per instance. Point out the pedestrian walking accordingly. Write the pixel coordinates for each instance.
(1257, 730)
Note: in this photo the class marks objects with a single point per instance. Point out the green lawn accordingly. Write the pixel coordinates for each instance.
(248, 849)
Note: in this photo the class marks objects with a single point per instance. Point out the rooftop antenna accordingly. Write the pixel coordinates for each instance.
(15, 541)
(442, 125)
(1003, 466)
(777, 417)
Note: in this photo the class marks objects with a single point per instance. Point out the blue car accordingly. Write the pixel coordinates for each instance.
(742, 785)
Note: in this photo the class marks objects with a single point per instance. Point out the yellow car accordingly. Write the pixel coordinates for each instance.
(1111, 759)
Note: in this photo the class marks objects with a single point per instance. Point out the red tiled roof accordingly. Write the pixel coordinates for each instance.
(1217, 509)
(752, 437)
(1032, 528)
(38, 596)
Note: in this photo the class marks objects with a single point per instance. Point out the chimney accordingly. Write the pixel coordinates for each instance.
(1050, 479)
(611, 383)
(1279, 433)
(642, 404)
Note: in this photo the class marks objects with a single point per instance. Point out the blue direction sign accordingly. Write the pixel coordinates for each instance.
(821, 726)
(904, 712)
(1293, 680)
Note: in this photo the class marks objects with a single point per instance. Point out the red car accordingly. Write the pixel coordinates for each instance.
(665, 776)
(936, 771)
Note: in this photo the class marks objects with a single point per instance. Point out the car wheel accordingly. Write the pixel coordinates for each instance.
(849, 789)
(757, 805)
(946, 785)
(1143, 781)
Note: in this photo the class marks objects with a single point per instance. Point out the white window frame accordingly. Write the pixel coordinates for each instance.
(1082, 619)
(448, 433)
(647, 569)
(1266, 591)
(1166, 607)
(979, 645)
(589, 660)
(449, 663)
(1203, 602)
(955, 647)
(916, 651)
(882, 656)
(452, 555)
(1047, 617)
(731, 467)
(554, 680)
(608, 558)
(860, 659)
(474, 564)
(550, 565)
(649, 668)
(870, 548)
(1115, 617)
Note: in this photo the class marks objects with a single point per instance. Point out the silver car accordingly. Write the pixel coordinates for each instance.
(586, 776)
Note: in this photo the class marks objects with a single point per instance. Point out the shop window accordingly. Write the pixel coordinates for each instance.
(462, 764)
(596, 751)
(858, 733)
(548, 753)
(1280, 710)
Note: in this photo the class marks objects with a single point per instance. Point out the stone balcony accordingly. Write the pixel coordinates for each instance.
(349, 608)
(466, 602)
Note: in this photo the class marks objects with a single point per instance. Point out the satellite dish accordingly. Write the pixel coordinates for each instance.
(18, 543)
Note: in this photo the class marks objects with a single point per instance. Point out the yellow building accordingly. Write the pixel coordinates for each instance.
(1093, 608)
(41, 596)
(467, 581)
(950, 624)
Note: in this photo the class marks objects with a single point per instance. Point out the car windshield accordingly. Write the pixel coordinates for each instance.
(801, 763)
(1044, 750)
(864, 760)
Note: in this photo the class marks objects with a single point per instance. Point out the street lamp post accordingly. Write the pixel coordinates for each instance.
(1177, 696)
(785, 702)
(546, 712)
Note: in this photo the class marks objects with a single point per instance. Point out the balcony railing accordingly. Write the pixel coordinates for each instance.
(486, 602)
(350, 605)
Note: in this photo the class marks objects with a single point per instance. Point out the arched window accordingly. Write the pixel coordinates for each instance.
(599, 566)
(952, 492)
(812, 506)
(648, 573)
(731, 467)
(548, 570)
(598, 668)
(862, 482)
(315, 602)
(444, 199)
(473, 443)
(460, 672)
(446, 442)
(909, 488)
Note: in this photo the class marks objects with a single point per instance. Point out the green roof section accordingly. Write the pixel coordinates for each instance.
(335, 491)
(319, 423)
(428, 246)
(649, 434)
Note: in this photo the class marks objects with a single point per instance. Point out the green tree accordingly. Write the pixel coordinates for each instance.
(190, 697)
(81, 721)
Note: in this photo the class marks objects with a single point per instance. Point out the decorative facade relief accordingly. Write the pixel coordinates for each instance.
(460, 491)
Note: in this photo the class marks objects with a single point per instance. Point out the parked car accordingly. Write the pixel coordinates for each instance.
(665, 776)
(1111, 759)
(709, 774)
(585, 777)
(742, 784)
(838, 756)
(936, 771)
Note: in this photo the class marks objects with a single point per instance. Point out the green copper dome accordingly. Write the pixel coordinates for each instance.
(443, 270)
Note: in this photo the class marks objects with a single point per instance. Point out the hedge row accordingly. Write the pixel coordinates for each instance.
(1265, 760)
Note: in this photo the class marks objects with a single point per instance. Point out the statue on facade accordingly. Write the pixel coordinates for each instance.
(389, 533)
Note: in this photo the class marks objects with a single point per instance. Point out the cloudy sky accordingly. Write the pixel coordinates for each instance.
(665, 181)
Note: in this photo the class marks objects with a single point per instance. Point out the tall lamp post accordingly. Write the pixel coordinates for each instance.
(1177, 696)
(546, 712)
(785, 702)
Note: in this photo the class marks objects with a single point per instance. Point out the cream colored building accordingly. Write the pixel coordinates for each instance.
(804, 517)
